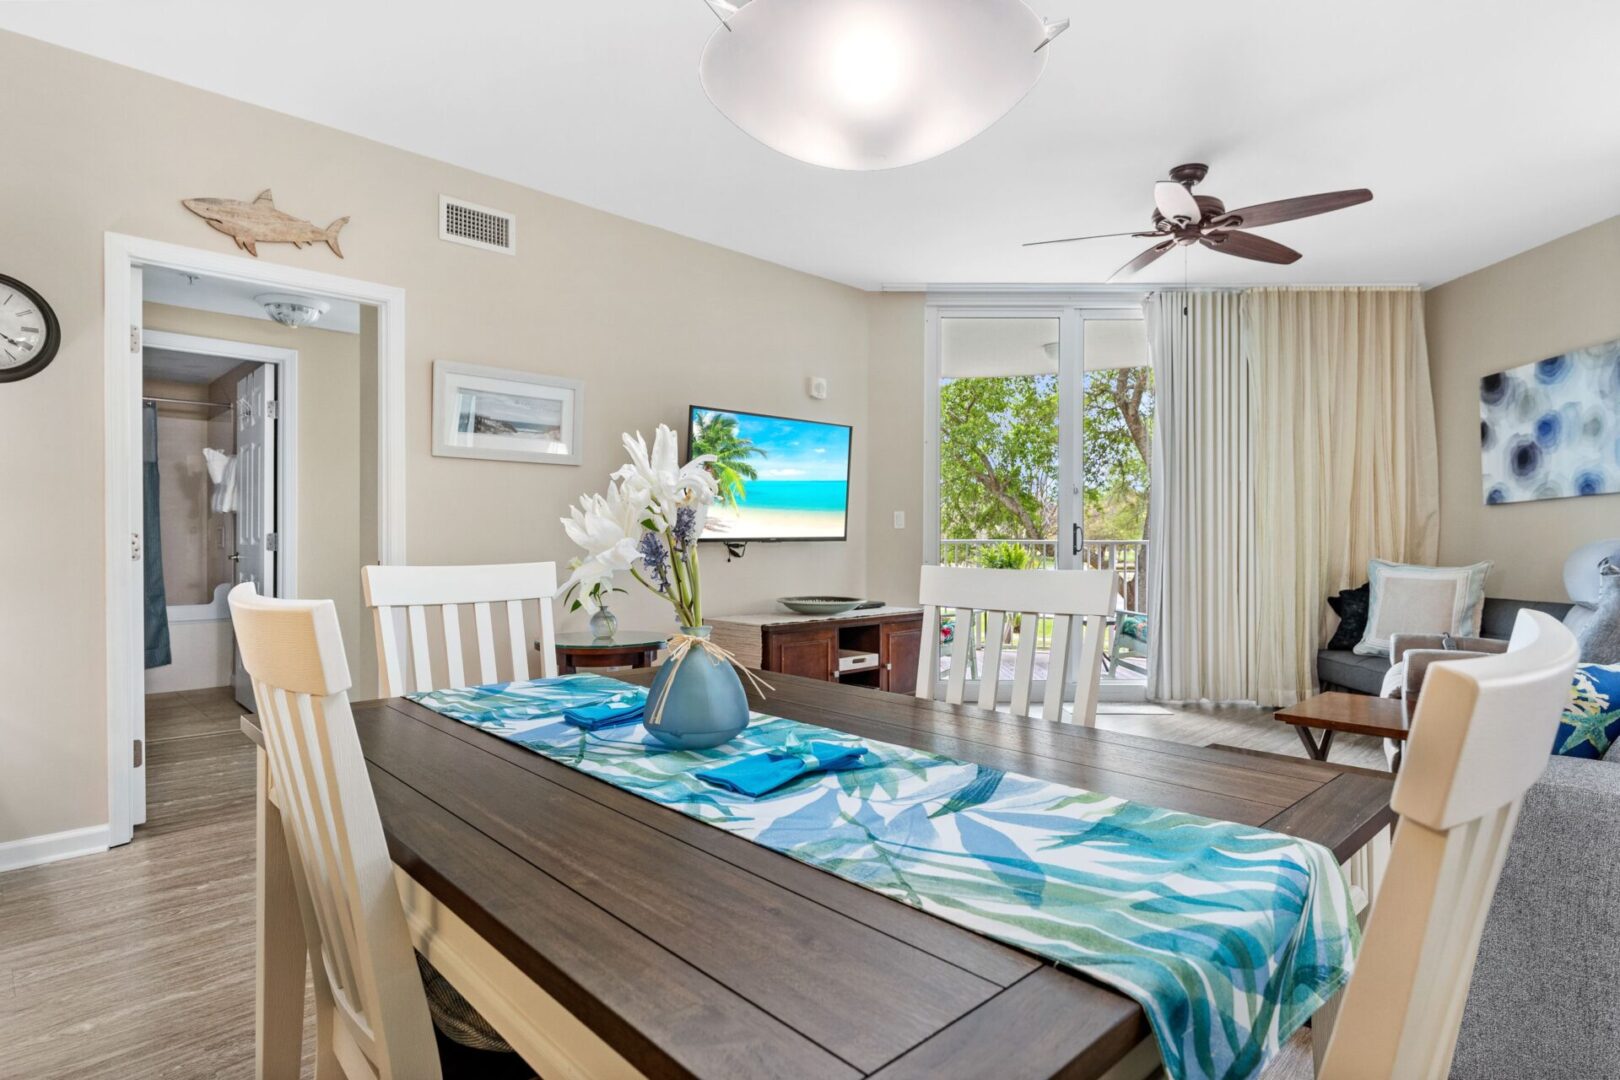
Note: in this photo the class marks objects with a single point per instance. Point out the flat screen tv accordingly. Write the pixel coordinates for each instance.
(780, 479)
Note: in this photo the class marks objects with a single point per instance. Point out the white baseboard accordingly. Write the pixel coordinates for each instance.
(34, 850)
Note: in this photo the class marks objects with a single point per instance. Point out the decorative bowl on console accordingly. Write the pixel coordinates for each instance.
(820, 605)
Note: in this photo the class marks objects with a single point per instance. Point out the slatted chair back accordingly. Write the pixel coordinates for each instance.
(1027, 596)
(367, 987)
(1480, 738)
(497, 595)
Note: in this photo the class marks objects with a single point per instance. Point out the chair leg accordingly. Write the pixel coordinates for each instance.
(327, 1066)
(1322, 1030)
(279, 990)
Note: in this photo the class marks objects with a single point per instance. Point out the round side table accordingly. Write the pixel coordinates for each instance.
(627, 648)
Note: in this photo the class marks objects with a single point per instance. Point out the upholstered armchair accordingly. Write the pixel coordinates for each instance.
(1411, 654)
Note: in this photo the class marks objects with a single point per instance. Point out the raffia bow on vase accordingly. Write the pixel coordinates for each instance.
(680, 646)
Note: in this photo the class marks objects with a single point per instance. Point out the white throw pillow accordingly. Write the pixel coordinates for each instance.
(1421, 600)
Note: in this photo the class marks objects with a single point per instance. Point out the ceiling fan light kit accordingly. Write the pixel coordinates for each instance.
(871, 84)
(1183, 219)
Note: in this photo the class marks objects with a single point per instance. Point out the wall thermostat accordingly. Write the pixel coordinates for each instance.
(817, 386)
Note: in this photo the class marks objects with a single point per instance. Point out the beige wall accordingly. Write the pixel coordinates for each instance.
(895, 391)
(652, 321)
(1559, 296)
(329, 459)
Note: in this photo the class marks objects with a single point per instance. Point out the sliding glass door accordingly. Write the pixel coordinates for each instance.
(1036, 450)
(1115, 479)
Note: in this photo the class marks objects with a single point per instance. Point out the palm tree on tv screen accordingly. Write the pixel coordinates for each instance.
(717, 434)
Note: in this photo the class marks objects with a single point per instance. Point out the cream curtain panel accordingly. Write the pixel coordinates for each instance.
(1344, 461)
(1200, 528)
(1294, 440)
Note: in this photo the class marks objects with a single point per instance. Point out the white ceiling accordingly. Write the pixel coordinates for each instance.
(163, 286)
(1484, 128)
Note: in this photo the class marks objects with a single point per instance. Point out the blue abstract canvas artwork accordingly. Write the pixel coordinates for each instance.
(1551, 429)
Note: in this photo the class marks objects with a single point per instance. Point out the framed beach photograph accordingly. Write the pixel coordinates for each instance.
(505, 415)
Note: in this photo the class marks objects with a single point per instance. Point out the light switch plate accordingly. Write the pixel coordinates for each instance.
(899, 519)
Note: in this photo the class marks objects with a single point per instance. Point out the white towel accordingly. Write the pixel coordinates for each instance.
(222, 471)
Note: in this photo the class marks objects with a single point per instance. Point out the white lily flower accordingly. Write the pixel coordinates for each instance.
(658, 479)
(588, 574)
(608, 527)
(643, 502)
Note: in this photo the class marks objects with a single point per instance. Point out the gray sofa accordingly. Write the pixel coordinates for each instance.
(1541, 1003)
(1341, 669)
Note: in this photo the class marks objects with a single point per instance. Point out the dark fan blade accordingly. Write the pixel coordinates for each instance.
(1072, 239)
(1143, 259)
(1248, 246)
(1270, 213)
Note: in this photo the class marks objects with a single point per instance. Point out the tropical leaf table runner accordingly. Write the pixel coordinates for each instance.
(1229, 936)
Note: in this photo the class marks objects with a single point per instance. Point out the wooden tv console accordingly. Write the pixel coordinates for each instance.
(810, 645)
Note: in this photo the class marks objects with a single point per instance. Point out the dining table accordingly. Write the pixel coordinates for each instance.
(605, 935)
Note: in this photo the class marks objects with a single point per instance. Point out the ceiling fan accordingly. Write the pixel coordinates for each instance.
(1182, 218)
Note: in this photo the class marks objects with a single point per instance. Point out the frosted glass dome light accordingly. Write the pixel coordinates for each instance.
(871, 84)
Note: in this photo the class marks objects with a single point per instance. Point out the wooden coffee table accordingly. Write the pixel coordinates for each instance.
(1336, 712)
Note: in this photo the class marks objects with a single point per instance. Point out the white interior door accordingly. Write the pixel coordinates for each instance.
(135, 586)
(255, 495)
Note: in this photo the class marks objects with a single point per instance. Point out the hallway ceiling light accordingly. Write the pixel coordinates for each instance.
(292, 310)
(871, 84)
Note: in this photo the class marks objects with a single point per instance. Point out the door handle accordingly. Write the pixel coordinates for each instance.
(1075, 538)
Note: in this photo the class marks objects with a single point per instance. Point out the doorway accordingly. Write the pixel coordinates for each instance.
(270, 493)
(1037, 420)
(220, 425)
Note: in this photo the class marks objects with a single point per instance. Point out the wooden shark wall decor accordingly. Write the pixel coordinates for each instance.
(259, 222)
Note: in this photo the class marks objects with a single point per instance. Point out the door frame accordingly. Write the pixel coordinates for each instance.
(1072, 308)
(121, 395)
(285, 362)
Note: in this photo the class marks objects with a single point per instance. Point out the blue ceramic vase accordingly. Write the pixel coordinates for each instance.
(705, 706)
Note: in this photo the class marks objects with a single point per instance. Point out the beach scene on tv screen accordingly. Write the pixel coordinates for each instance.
(779, 479)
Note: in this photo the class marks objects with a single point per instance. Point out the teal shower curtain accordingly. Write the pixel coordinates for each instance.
(157, 604)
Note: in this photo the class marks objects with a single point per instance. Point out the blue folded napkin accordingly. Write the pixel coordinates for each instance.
(606, 714)
(759, 774)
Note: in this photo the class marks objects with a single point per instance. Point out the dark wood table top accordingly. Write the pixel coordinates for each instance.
(1358, 713)
(697, 953)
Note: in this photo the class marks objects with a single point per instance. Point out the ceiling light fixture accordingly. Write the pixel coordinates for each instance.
(871, 84)
(292, 310)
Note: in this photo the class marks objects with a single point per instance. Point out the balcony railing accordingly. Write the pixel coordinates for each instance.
(1127, 557)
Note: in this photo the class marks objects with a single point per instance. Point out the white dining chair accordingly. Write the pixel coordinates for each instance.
(1480, 738)
(372, 1018)
(1068, 596)
(415, 589)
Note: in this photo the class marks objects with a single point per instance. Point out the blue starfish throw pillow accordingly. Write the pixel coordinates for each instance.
(1591, 720)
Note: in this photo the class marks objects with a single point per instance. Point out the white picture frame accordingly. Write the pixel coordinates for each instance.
(503, 415)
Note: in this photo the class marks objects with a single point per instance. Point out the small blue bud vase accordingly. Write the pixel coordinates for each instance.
(705, 706)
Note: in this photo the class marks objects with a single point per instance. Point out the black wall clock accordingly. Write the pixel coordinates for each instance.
(29, 332)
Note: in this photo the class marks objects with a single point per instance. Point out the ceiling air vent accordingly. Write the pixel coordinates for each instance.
(477, 226)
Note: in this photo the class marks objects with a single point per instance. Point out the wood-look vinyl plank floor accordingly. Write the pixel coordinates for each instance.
(1243, 726)
(138, 964)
